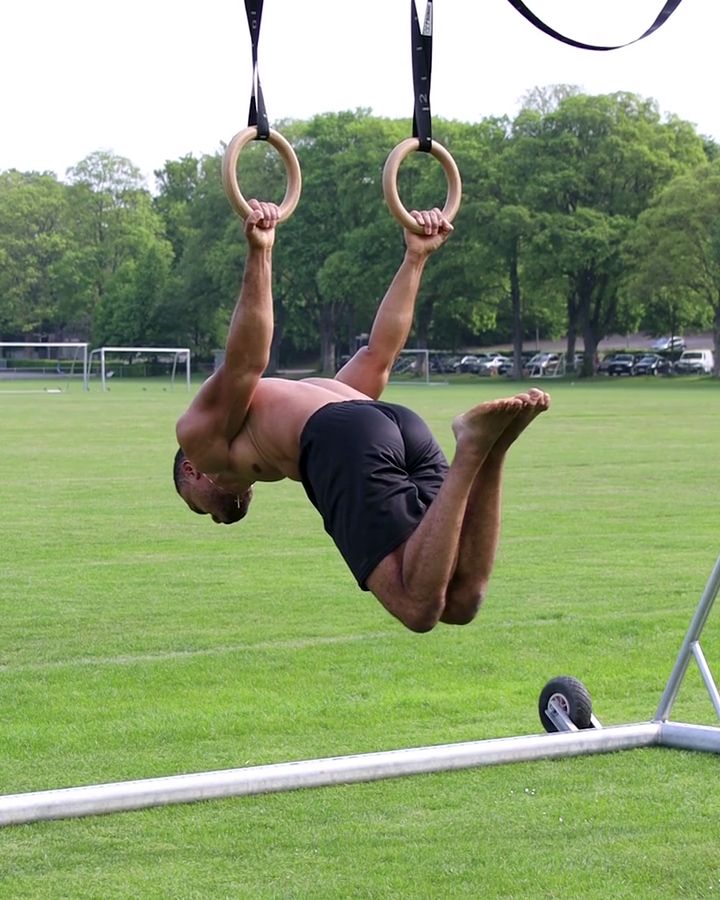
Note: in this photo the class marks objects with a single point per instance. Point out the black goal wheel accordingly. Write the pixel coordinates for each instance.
(571, 696)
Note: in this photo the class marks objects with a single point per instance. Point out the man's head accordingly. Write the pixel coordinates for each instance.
(205, 497)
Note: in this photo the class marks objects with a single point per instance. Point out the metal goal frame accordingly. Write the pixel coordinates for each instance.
(75, 345)
(177, 351)
(120, 796)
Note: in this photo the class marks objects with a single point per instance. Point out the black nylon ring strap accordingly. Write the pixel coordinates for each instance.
(422, 69)
(258, 115)
(422, 131)
(258, 128)
(665, 13)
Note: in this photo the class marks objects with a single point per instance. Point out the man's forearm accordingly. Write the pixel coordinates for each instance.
(394, 317)
(251, 328)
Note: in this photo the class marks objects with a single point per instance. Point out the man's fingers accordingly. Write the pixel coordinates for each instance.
(432, 221)
(264, 214)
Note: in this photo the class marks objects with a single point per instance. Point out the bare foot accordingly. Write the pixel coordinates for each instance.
(537, 402)
(479, 428)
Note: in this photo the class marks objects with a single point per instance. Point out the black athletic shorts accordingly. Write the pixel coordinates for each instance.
(371, 469)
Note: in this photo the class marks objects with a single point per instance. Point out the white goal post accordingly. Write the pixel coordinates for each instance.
(415, 366)
(80, 348)
(177, 352)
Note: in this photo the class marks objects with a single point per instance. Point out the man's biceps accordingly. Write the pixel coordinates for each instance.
(195, 427)
(199, 435)
(208, 455)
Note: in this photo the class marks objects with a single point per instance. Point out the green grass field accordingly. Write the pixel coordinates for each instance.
(138, 639)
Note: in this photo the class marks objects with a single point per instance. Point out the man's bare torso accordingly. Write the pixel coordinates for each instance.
(268, 445)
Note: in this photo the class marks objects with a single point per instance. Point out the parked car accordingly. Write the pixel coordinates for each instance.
(471, 363)
(695, 362)
(604, 363)
(506, 368)
(541, 364)
(621, 364)
(494, 364)
(666, 344)
(651, 364)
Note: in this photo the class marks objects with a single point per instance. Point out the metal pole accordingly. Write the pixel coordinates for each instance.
(173, 371)
(102, 367)
(693, 634)
(707, 677)
(126, 795)
(86, 373)
(681, 736)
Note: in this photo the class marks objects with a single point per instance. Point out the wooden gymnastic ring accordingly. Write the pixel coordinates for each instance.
(292, 168)
(389, 181)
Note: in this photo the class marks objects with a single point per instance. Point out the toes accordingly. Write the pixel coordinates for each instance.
(539, 398)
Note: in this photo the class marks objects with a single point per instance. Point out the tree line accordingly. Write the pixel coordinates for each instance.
(581, 217)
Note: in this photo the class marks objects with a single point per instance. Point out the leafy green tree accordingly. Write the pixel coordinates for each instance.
(335, 256)
(543, 236)
(120, 233)
(676, 251)
(38, 282)
(197, 217)
(504, 224)
(340, 245)
(131, 311)
(178, 187)
(666, 310)
(207, 240)
(464, 285)
(600, 161)
(343, 245)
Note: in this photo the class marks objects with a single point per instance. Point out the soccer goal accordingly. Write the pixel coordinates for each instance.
(70, 361)
(420, 366)
(174, 355)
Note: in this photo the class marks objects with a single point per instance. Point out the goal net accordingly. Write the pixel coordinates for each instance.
(421, 367)
(51, 372)
(140, 362)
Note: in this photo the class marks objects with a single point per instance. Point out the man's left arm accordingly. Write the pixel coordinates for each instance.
(369, 369)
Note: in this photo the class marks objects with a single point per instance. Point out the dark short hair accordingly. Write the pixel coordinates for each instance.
(177, 468)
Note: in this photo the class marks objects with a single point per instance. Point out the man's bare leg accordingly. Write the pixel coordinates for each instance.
(412, 582)
(481, 527)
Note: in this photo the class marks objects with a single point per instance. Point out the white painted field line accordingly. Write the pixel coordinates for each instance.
(130, 659)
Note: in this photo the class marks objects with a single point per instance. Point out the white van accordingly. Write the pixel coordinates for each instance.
(695, 361)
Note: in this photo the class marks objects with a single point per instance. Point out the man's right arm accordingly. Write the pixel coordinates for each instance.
(220, 407)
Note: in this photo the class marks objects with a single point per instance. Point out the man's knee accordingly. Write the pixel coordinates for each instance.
(462, 606)
(421, 620)
(419, 615)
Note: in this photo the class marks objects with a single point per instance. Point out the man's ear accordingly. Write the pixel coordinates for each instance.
(189, 469)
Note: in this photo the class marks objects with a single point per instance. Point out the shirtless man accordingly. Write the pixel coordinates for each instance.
(417, 533)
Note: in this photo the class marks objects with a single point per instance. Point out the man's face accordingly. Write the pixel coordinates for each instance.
(224, 507)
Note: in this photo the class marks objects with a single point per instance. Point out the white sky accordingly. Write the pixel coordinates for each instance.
(155, 79)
